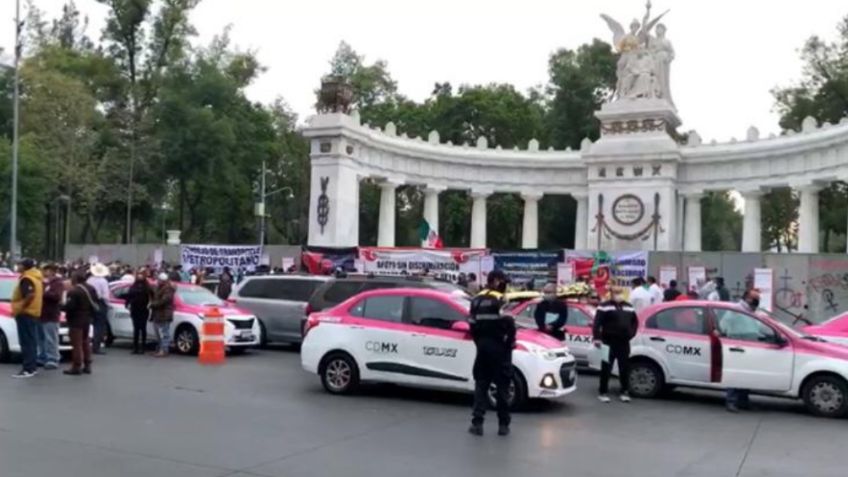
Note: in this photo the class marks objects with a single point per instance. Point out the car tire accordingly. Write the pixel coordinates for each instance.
(517, 392)
(5, 354)
(339, 373)
(826, 396)
(186, 340)
(645, 379)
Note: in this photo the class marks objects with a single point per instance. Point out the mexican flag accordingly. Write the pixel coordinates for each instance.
(429, 236)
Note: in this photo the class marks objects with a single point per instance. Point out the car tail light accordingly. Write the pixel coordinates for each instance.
(311, 322)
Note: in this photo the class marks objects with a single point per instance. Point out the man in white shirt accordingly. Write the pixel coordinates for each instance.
(640, 297)
(98, 281)
(656, 291)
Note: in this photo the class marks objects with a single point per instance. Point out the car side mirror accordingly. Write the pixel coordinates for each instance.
(461, 326)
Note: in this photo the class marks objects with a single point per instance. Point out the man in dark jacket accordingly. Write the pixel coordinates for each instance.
(721, 289)
(615, 325)
(162, 313)
(671, 293)
(494, 336)
(48, 342)
(137, 302)
(225, 284)
(551, 314)
(80, 308)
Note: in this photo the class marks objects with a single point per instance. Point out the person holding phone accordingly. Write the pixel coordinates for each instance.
(551, 314)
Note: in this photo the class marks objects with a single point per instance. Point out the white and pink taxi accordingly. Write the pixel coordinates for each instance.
(192, 303)
(719, 345)
(419, 337)
(9, 343)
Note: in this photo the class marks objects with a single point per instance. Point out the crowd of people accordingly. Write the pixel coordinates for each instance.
(81, 291)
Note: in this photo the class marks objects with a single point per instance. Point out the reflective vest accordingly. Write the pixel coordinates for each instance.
(34, 307)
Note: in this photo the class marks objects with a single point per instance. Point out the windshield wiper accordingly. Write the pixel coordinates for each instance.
(814, 338)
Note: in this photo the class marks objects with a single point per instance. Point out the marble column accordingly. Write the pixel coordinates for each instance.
(386, 228)
(431, 205)
(808, 219)
(752, 221)
(530, 230)
(478, 219)
(581, 221)
(692, 234)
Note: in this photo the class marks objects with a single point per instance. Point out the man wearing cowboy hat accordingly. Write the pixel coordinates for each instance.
(98, 282)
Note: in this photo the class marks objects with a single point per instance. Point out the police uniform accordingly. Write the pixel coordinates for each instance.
(494, 336)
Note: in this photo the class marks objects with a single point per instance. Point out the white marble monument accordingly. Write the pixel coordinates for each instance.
(637, 188)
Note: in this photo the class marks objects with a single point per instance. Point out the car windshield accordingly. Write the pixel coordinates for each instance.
(6, 288)
(198, 296)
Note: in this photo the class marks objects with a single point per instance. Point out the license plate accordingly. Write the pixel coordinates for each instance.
(245, 334)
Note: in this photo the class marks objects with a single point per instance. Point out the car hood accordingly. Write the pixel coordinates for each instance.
(537, 338)
(822, 330)
(830, 350)
(225, 309)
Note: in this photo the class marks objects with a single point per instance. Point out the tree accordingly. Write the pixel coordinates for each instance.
(580, 82)
(822, 94)
(722, 223)
(780, 219)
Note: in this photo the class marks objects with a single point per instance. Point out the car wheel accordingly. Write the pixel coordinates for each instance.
(5, 355)
(186, 340)
(645, 379)
(826, 396)
(339, 374)
(516, 395)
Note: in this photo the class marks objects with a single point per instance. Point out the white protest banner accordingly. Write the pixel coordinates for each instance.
(667, 274)
(445, 264)
(237, 257)
(565, 273)
(764, 280)
(697, 277)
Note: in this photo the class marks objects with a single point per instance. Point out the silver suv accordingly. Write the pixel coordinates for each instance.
(280, 303)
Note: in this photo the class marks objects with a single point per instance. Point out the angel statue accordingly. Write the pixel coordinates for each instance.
(637, 69)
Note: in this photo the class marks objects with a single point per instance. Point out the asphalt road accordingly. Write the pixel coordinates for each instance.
(260, 415)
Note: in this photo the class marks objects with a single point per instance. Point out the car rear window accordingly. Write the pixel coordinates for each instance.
(293, 290)
(341, 291)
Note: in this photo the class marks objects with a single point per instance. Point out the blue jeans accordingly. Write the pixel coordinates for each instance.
(737, 397)
(28, 338)
(48, 343)
(164, 332)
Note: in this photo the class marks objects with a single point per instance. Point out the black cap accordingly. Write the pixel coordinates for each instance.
(27, 263)
(496, 275)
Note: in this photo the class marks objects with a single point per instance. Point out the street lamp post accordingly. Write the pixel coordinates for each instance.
(13, 225)
(259, 208)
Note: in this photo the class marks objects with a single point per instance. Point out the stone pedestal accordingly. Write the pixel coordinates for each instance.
(632, 176)
(173, 237)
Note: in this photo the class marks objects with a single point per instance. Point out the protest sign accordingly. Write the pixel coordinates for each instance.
(237, 257)
(445, 264)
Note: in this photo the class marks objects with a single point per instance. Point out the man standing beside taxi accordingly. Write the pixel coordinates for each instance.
(735, 398)
(615, 325)
(26, 307)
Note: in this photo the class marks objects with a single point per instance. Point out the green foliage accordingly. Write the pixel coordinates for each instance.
(822, 94)
(780, 219)
(721, 223)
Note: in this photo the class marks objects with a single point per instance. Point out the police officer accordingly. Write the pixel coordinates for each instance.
(494, 336)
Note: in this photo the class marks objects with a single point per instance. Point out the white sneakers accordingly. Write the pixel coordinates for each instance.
(606, 399)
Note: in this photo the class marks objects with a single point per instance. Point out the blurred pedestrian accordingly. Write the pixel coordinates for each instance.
(162, 313)
(640, 296)
(48, 343)
(138, 302)
(225, 284)
(671, 293)
(494, 336)
(732, 325)
(98, 282)
(655, 290)
(615, 325)
(551, 314)
(80, 308)
(26, 307)
(473, 285)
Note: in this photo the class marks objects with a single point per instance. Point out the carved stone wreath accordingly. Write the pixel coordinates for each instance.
(633, 126)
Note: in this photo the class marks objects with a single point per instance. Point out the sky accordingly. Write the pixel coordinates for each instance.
(730, 54)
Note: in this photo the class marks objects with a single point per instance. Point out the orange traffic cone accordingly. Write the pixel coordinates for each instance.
(212, 349)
